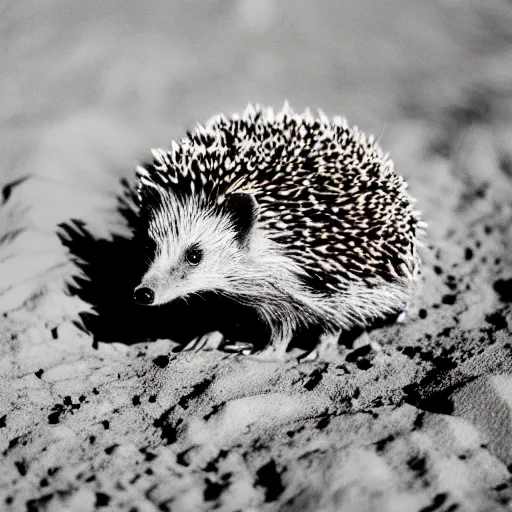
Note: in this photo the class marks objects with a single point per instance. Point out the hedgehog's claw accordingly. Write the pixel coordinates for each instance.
(311, 355)
(402, 317)
(209, 341)
(238, 347)
(191, 345)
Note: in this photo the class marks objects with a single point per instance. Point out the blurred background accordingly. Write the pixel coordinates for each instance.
(88, 87)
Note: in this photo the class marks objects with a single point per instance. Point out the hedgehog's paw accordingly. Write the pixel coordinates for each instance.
(238, 347)
(209, 341)
(309, 355)
(326, 349)
(269, 353)
(273, 352)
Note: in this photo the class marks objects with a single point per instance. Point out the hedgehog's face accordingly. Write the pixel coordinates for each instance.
(196, 249)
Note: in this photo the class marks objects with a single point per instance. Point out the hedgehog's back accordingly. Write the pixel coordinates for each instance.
(325, 191)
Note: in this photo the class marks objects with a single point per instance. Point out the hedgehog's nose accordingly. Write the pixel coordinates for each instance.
(144, 296)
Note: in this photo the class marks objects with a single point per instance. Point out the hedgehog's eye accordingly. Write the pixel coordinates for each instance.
(194, 256)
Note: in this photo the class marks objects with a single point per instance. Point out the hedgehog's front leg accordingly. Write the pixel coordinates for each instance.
(277, 347)
(238, 347)
(216, 341)
(275, 350)
(208, 341)
(326, 349)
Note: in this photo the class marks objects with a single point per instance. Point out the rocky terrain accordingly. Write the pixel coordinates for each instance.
(100, 409)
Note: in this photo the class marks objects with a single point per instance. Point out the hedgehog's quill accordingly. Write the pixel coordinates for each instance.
(298, 216)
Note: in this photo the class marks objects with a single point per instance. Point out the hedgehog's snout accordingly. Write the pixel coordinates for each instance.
(144, 295)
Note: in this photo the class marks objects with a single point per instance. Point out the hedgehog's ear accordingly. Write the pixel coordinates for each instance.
(242, 208)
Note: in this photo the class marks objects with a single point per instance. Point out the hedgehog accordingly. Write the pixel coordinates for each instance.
(298, 216)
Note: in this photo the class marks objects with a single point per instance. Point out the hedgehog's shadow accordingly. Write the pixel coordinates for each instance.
(109, 272)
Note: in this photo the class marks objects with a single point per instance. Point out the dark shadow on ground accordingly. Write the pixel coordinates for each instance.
(110, 270)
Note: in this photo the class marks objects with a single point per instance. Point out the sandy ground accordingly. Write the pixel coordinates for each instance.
(416, 416)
